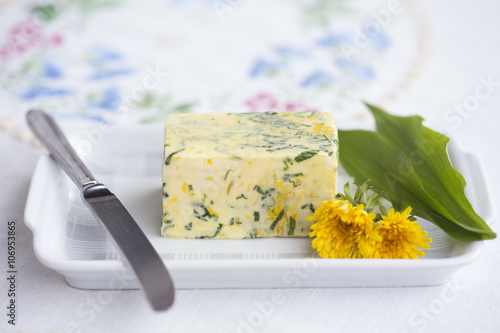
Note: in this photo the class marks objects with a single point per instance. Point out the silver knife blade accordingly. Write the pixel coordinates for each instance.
(130, 239)
(119, 225)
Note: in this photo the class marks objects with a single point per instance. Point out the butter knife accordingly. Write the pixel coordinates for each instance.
(119, 225)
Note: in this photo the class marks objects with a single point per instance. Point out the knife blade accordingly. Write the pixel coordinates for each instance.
(131, 242)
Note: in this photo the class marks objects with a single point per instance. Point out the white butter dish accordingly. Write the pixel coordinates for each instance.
(68, 239)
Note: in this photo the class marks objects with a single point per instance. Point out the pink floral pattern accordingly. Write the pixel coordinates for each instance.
(24, 37)
(267, 102)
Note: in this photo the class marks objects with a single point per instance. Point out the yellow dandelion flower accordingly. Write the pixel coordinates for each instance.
(342, 230)
(401, 238)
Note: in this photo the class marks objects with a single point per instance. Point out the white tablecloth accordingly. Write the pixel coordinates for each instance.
(465, 50)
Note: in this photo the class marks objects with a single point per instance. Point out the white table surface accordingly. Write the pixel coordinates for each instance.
(465, 47)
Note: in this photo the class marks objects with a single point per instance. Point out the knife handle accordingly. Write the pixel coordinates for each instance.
(51, 136)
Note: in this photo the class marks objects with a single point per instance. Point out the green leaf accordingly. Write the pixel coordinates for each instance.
(409, 163)
(46, 13)
(291, 228)
(275, 222)
(153, 119)
(427, 151)
(147, 101)
(305, 155)
(256, 216)
(182, 108)
(169, 157)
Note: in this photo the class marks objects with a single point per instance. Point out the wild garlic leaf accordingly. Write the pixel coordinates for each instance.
(368, 155)
(410, 164)
(427, 150)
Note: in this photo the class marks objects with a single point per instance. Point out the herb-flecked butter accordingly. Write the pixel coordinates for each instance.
(246, 175)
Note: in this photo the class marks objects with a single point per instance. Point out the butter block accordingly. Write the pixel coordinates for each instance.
(247, 175)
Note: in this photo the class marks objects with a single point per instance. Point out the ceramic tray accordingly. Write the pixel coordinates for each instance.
(69, 240)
